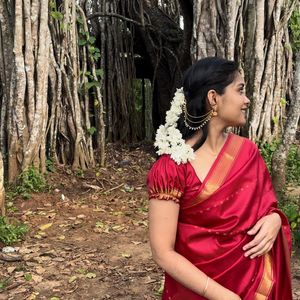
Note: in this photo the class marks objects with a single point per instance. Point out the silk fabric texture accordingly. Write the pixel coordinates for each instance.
(215, 216)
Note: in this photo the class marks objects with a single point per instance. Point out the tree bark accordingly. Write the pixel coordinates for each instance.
(281, 154)
(44, 101)
(252, 33)
(2, 191)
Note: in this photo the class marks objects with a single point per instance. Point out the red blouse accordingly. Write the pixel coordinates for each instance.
(167, 180)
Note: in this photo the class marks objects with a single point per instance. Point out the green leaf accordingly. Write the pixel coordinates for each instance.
(96, 56)
(82, 42)
(282, 102)
(293, 225)
(92, 49)
(92, 40)
(79, 20)
(276, 121)
(52, 5)
(27, 276)
(57, 15)
(91, 130)
(100, 72)
(91, 84)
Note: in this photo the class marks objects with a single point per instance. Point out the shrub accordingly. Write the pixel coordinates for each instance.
(29, 181)
(292, 211)
(11, 233)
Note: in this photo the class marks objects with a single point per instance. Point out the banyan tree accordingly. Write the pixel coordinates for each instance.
(51, 101)
(75, 74)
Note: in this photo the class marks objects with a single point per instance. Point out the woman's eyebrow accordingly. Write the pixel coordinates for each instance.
(241, 84)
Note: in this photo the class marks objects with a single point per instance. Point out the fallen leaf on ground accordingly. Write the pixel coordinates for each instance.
(40, 270)
(90, 275)
(37, 278)
(81, 216)
(72, 279)
(136, 243)
(32, 296)
(10, 269)
(45, 226)
(126, 255)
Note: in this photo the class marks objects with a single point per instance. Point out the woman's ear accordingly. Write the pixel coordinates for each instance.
(212, 97)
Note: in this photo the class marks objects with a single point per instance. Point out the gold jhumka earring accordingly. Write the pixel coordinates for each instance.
(197, 120)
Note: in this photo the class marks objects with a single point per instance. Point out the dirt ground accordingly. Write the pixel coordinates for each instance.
(88, 237)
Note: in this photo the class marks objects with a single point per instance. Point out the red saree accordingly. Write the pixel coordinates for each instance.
(214, 219)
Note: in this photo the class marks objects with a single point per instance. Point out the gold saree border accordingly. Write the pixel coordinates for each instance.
(220, 170)
(267, 280)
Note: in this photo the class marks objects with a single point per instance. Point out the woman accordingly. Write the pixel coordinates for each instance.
(213, 219)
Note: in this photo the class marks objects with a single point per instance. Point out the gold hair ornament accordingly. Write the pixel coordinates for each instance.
(200, 120)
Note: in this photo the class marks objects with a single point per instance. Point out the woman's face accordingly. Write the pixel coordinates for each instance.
(232, 106)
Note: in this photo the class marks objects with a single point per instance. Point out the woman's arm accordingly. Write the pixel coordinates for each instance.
(163, 218)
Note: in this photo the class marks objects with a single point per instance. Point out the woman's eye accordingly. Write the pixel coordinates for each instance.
(242, 91)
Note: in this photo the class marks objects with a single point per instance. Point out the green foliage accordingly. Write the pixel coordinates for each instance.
(52, 5)
(91, 84)
(10, 233)
(50, 166)
(30, 181)
(82, 42)
(293, 166)
(85, 39)
(282, 102)
(267, 150)
(91, 130)
(27, 276)
(79, 20)
(57, 15)
(4, 283)
(293, 161)
(54, 13)
(292, 210)
(100, 72)
(94, 51)
(294, 26)
(80, 173)
(276, 120)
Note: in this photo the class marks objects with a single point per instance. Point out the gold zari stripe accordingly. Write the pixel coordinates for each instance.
(267, 281)
(220, 171)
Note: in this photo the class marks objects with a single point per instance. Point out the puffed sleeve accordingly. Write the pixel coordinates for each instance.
(165, 180)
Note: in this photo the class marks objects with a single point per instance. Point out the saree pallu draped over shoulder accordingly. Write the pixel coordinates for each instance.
(213, 224)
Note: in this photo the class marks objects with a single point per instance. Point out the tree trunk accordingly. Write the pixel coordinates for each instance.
(46, 93)
(253, 33)
(280, 156)
(2, 191)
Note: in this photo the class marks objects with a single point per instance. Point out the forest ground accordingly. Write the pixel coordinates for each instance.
(88, 236)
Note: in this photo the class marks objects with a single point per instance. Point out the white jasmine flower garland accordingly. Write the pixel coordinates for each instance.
(168, 138)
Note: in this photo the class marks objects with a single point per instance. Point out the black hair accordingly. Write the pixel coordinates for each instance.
(211, 73)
